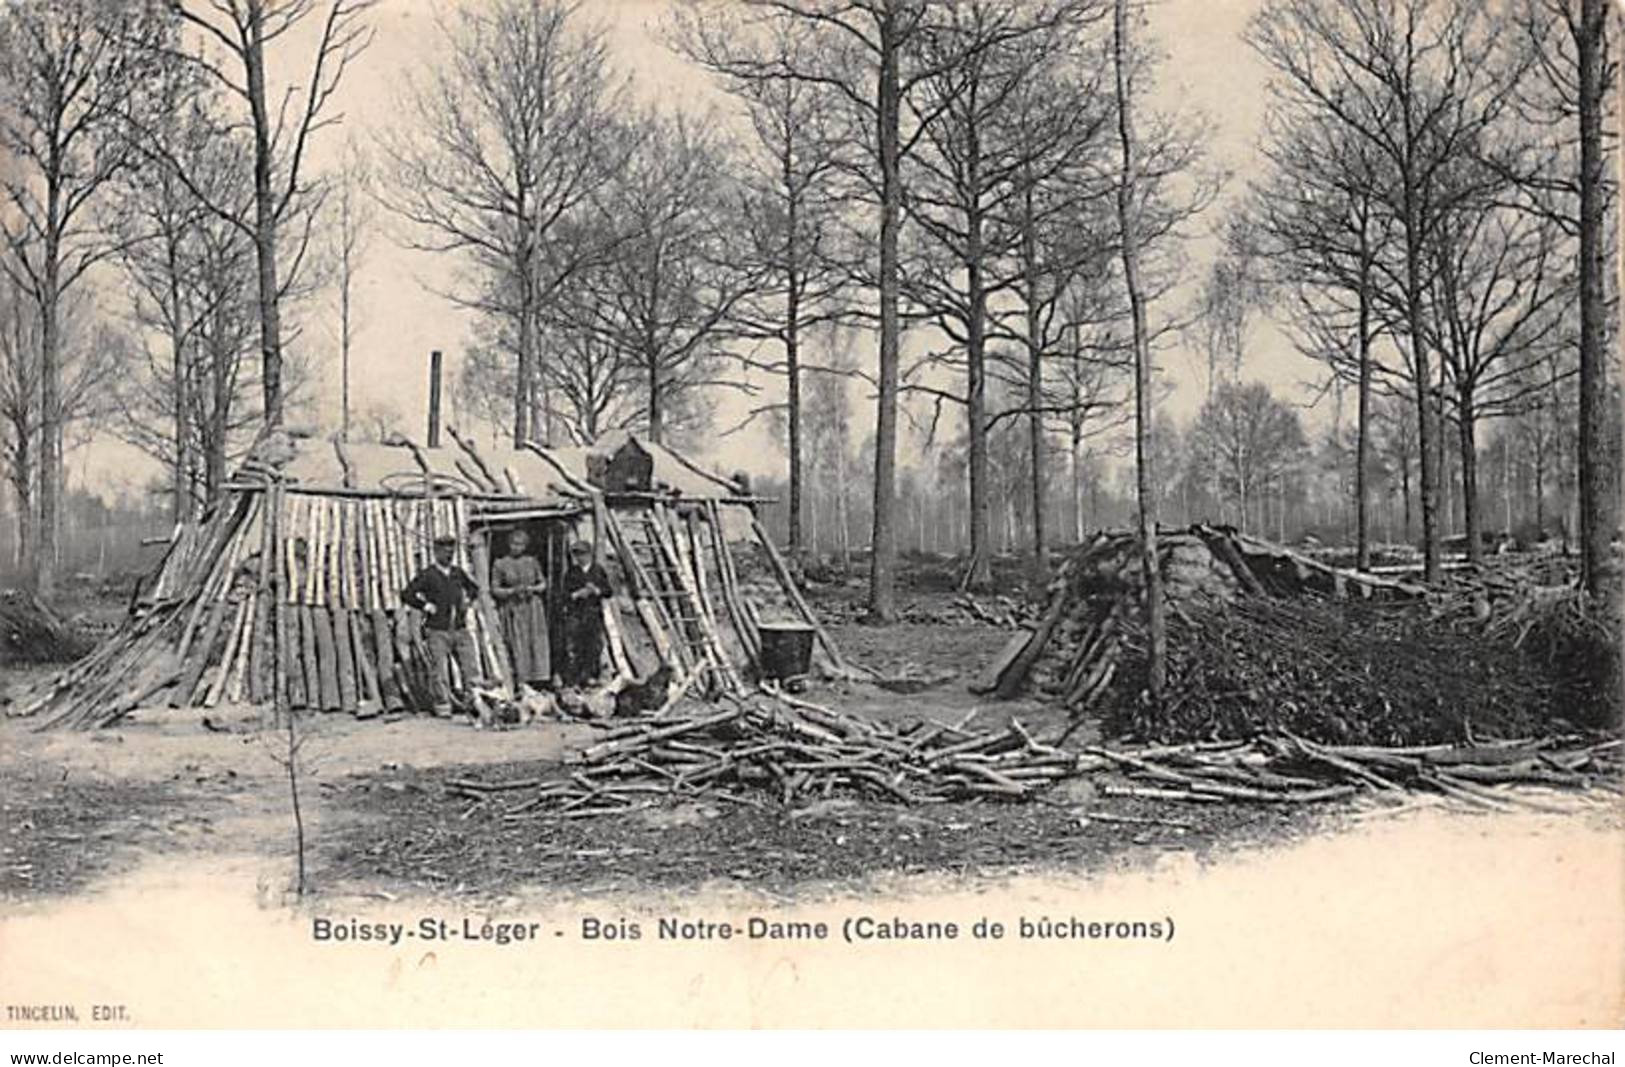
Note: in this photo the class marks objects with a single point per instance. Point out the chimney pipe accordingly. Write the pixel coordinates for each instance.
(434, 399)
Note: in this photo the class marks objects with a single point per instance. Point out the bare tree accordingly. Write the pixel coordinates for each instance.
(1599, 470)
(506, 146)
(1316, 228)
(20, 421)
(590, 386)
(858, 55)
(1251, 437)
(1561, 164)
(1409, 81)
(594, 385)
(829, 435)
(676, 273)
(351, 236)
(1127, 213)
(71, 72)
(90, 359)
(1066, 242)
(236, 35)
(796, 241)
(1227, 296)
(1501, 294)
(211, 398)
(190, 276)
(1088, 386)
(988, 145)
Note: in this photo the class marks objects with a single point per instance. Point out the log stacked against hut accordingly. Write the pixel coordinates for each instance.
(310, 581)
(1262, 639)
(772, 749)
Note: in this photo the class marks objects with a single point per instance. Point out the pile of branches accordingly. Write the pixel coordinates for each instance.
(1263, 640)
(30, 632)
(1284, 768)
(1577, 640)
(1344, 673)
(774, 747)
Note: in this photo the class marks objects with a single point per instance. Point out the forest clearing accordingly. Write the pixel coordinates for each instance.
(412, 804)
(831, 475)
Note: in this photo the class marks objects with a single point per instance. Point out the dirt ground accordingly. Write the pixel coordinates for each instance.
(80, 809)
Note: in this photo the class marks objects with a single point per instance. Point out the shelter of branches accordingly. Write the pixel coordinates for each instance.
(288, 591)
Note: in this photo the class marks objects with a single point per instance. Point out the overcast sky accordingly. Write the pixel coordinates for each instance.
(401, 319)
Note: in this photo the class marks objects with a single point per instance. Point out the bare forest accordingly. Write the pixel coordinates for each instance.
(904, 244)
(1275, 435)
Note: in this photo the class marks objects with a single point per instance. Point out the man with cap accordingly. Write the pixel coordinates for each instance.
(443, 592)
(586, 585)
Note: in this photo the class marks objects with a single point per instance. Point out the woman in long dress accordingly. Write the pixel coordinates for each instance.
(517, 585)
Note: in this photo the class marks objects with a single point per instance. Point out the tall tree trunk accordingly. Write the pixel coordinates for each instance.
(883, 557)
(1156, 632)
(22, 485)
(1468, 435)
(1540, 491)
(980, 573)
(1443, 485)
(843, 488)
(792, 370)
(1075, 466)
(181, 503)
(525, 371)
(1405, 484)
(220, 410)
(657, 413)
(1362, 442)
(843, 531)
(1427, 470)
(48, 532)
(1414, 284)
(265, 222)
(1035, 395)
(345, 269)
(544, 399)
(1506, 483)
(813, 545)
(1599, 504)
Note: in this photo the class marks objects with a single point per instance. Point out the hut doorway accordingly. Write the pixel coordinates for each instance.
(522, 553)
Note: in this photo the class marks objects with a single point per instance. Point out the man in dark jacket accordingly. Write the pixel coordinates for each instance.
(443, 592)
(586, 586)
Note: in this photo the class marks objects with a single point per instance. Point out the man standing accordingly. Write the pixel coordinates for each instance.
(586, 585)
(443, 592)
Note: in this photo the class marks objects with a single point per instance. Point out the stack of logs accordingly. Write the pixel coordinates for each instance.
(1497, 776)
(308, 580)
(773, 748)
(787, 749)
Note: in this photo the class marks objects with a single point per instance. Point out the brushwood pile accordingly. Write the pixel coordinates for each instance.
(1265, 641)
(30, 632)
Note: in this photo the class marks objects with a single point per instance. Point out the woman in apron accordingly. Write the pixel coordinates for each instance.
(517, 585)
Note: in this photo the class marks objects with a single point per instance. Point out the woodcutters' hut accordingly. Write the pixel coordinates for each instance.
(289, 590)
(705, 579)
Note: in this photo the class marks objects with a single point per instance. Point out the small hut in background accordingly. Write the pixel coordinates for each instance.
(287, 592)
